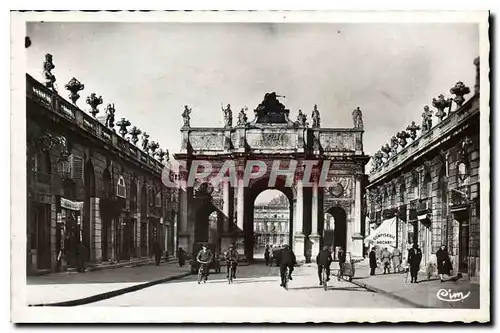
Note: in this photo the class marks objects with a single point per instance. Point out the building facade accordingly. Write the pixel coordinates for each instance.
(87, 184)
(431, 185)
(271, 223)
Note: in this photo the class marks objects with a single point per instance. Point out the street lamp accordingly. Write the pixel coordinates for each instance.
(64, 165)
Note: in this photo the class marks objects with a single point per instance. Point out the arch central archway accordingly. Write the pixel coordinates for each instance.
(253, 192)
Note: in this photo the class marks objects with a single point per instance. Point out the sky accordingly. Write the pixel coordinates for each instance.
(151, 70)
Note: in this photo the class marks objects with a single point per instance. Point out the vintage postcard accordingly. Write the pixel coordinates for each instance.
(250, 167)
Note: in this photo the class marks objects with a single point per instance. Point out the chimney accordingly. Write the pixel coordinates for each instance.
(476, 87)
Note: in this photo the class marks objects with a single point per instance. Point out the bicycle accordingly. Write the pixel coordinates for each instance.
(201, 273)
(231, 272)
(324, 278)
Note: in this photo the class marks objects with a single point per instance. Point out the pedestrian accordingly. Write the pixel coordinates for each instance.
(166, 255)
(341, 256)
(373, 261)
(386, 260)
(286, 259)
(181, 256)
(443, 262)
(414, 259)
(324, 260)
(277, 254)
(157, 251)
(396, 260)
(266, 255)
(81, 256)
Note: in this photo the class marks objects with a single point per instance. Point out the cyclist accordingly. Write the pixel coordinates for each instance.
(232, 260)
(324, 260)
(204, 258)
(286, 259)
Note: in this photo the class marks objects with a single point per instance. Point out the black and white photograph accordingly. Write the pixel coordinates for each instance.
(244, 167)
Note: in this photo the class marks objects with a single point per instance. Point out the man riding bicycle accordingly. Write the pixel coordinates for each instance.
(204, 258)
(324, 260)
(286, 259)
(232, 260)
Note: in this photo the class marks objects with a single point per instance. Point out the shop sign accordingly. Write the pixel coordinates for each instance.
(71, 205)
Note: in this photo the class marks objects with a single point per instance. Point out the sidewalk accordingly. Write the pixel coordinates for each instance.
(79, 288)
(423, 294)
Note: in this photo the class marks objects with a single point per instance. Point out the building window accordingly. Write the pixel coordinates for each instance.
(426, 189)
(121, 189)
(402, 194)
(158, 199)
(393, 196)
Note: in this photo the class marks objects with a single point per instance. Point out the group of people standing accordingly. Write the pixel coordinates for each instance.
(414, 258)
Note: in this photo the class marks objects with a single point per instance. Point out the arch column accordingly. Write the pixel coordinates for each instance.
(298, 223)
(314, 237)
(356, 220)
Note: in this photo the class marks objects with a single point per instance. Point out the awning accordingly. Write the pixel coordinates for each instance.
(384, 235)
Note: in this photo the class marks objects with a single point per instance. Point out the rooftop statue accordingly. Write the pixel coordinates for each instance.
(315, 117)
(145, 141)
(426, 119)
(271, 110)
(394, 145)
(110, 115)
(301, 119)
(242, 118)
(357, 118)
(48, 66)
(228, 116)
(186, 116)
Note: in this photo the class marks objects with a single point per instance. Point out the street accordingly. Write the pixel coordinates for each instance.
(256, 286)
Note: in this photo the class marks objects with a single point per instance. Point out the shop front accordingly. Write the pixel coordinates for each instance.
(68, 231)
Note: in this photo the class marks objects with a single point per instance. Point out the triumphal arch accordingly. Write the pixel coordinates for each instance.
(319, 170)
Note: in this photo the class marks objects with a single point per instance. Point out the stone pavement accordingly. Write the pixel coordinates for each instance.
(423, 294)
(71, 286)
(256, 285)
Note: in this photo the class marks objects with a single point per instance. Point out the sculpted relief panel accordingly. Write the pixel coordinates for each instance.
(337, 141)
(339, 187)
(273, 140)
(207, 141)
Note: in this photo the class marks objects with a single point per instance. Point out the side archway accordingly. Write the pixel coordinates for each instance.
(339, 222)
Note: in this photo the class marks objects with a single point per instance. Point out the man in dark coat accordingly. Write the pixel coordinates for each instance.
(81, 256)
(414, 259)
(324, 259)
(373, 261)
(157, 252)
(286, 259)
(181, 255)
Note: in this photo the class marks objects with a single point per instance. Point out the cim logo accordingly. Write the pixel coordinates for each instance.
(450, 296)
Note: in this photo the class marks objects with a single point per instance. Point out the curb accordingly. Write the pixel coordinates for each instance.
(114, 293)
(388, 294)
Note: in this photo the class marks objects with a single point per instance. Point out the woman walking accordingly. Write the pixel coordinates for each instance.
(443, 262)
